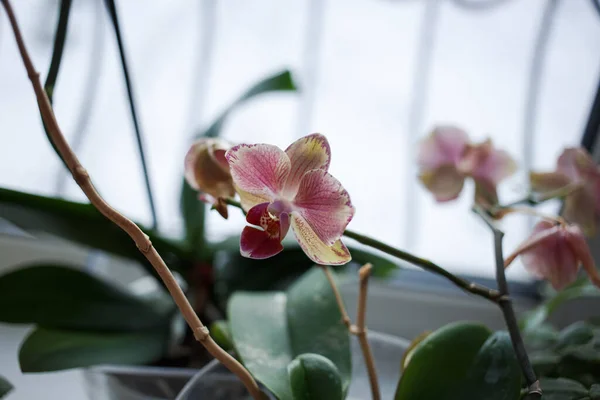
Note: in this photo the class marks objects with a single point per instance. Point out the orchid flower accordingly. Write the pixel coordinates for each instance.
(446, 159)
(207, 171)
(279, 189)
(554, 252)
(574, 168)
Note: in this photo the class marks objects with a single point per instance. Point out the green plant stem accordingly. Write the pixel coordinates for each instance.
(533, 200)
(505, 304)
(112, 11)
(471, 287)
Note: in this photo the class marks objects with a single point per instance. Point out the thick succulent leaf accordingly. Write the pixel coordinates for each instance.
(271, 329)
(444, 357)
(66, 298)
(83, 224)
(47, 350)
(5, 387)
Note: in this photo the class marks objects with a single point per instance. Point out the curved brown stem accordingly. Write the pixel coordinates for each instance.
(141, 240)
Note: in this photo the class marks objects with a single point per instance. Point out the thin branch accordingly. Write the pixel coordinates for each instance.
(112, 11)
(141, 240)
(505, 304)
(361, 330)
(471, 287)
(338, 297)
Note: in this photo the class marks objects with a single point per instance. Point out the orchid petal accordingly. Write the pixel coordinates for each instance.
(580, 209)
(484, 162)
(315, 249)
(258, 244)
(575, 162)
(264, 240)
(542, 231)
(444, 146)
(324, 204)
(582, 250)
(444, 182)
(552, 258)
(305, 154)
(548, 181)
(486, 194)
(259, 171)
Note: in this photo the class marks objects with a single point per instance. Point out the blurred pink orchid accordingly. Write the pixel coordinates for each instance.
(446, 159)
(575, 169)
(554, 252)
(293, 188)
(207, 171)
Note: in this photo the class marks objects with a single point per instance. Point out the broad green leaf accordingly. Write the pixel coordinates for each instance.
(52, 350)
(233, 272)
(495, 373)
(581, 288)
(575, 334)
(66, 298)
(314, 377)
(270, 329)
(562, 389)
(444, 357)
(193, 210)
(5, 387)
(82, 224)
(220, 332)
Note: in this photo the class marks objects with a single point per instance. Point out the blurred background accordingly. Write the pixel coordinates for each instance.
(375, 77)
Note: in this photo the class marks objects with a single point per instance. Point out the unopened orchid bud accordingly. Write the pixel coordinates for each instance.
(207, 171)
(555, 252)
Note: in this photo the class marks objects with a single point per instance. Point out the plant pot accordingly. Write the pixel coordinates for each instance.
(215, 382)
(113, 382)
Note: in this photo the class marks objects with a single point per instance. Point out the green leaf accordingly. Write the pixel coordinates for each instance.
(220, 332)
(193, 210)
(82, 224)
(574, 335)
(52, 350)
(314, 377)
(562, 389)
(270, 329)
(66, 298)
(444, 357)
(581, 288)
(5, 387)
(495, 373)
(233, 272)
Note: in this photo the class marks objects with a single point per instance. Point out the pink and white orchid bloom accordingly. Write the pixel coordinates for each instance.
(446, 159)
(576, 170)
(555, 252)
(279, 189)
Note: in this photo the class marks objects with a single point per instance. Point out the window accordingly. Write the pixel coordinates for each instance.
(376, 75)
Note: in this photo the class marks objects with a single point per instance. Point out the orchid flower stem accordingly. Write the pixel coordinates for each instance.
(81, 176)
(533, 200)
(360, 329)
(471, 287)
(505, 304)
